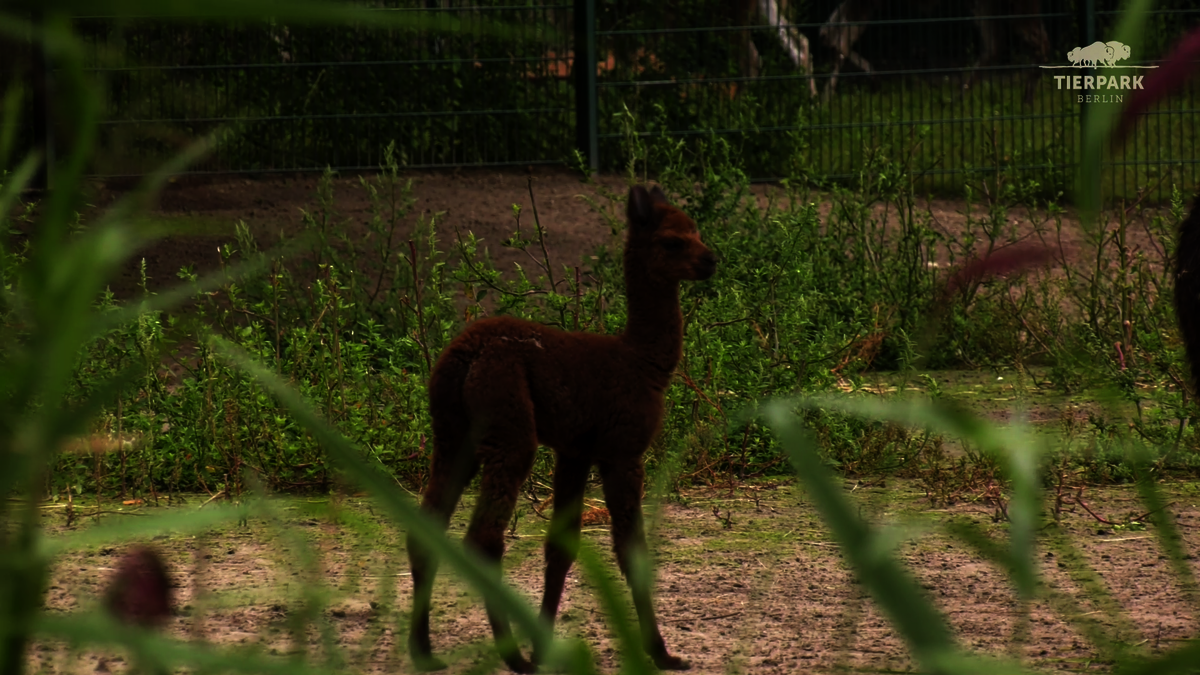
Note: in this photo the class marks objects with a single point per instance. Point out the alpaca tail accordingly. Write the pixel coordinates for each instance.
(453, 441)
(455, 435)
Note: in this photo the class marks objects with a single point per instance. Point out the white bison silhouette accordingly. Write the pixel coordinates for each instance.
(1092, 55)
(1119, 51)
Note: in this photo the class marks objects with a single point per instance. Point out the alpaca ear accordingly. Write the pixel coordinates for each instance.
(641, 206)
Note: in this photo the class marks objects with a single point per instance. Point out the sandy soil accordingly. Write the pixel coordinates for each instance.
(759, 587)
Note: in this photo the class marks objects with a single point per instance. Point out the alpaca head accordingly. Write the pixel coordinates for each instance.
(664, 239)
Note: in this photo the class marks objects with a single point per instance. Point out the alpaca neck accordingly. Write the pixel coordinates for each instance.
(655, 324)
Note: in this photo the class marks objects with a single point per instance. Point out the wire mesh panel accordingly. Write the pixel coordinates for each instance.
(307, 97)
(953, 92)
(691, 69)
(18, 74)
(1162, 154)
(950, 92)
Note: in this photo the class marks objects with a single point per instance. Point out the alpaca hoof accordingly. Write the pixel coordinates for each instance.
(421, 652)
(668, 662)
(518, 664)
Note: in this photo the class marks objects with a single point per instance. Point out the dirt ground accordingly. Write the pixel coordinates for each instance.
(757, 587)
(474, 200)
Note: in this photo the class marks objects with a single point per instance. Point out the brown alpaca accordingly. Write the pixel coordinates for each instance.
(505, 385)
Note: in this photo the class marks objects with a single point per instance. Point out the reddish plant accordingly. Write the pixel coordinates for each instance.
(504, 386)
(1169, 77)
(1001, 262)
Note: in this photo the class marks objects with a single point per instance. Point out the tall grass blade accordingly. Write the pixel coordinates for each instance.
(122, 211)
(897, 593)
(152, 184)
(1181, 661)
(986, 547)
(100, 629)
(173, 523)
(62, 310)
(79, 103)
(624, 626)
(1164, 526)
(398, 505)
(16, 183)
(295, 11)
(12, 118)
(71, 282)
(1024, 508)
(1112, 637)
(1100, 119)
(10, 192)
(1013, 446)
(54, 425)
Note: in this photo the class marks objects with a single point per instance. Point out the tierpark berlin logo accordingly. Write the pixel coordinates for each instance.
(1099, 55)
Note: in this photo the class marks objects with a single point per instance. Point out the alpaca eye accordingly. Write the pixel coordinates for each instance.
(673, 245)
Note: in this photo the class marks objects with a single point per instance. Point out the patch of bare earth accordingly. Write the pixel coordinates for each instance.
(761, 587)
(481, 200)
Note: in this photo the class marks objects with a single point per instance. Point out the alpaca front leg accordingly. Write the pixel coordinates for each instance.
(623, 495)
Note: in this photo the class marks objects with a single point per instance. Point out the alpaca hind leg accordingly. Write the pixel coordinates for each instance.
(454, 465)
(496, 391)
(623, 495)
(505, 466)
(562, 542)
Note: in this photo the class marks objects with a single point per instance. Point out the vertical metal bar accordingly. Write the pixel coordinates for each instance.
(586, 118)
(1087, 35)
(43, 127)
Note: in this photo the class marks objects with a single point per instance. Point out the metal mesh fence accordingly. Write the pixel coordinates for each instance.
(950, 91)
(1164, 152)
(17, 78)
(303, 98)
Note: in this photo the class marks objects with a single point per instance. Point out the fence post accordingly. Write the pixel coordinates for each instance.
(1087, 35)
(1086, 18)
(43, 128)
(586, 118)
